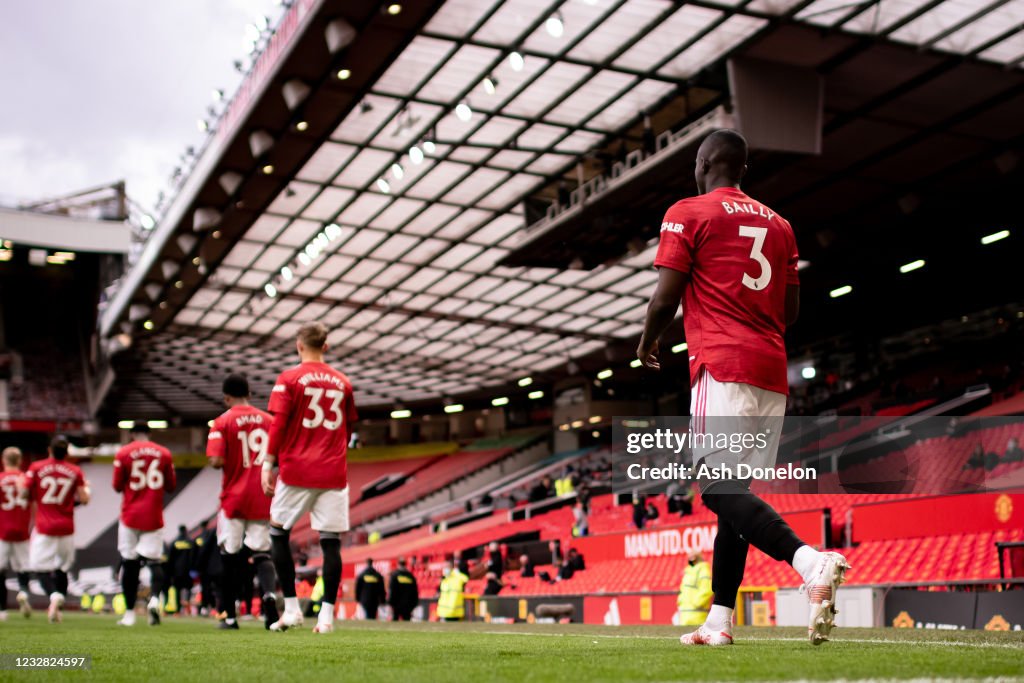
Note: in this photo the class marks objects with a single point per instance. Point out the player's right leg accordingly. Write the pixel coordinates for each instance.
(229, 538)
(729, 561)
(45, 560)
(329, 516)
(20, 563)
(257, 539)
(286, 508)
(131, 566)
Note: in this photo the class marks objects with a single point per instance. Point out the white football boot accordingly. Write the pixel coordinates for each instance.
(288, 620)
(821, 595)
(705, 636)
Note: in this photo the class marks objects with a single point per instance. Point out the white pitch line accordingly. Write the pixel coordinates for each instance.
(859, 641)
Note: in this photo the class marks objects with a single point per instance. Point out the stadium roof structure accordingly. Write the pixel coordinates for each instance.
(376, 169)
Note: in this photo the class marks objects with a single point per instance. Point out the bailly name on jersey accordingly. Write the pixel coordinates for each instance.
(753, 209)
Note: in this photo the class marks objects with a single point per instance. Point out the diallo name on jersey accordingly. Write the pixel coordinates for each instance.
(320, 377)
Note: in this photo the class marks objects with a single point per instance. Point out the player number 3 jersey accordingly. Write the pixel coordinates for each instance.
(241, 437)
(740, 256)
(143, 471)
(313, 408)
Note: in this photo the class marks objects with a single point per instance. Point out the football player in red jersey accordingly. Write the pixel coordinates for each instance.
(313, 413)
(238, 444)
(143, 471)
(15, 520)
(732, 261)
(56, 487)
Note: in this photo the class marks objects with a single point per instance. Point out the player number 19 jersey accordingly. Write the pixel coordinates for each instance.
(241, 437)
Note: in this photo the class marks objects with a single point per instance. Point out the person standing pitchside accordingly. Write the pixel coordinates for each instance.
(732, 261)
(313, 412)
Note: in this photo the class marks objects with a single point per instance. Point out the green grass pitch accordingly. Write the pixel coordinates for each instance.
(187, 649)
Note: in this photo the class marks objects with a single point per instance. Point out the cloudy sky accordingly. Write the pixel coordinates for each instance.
(95, 91)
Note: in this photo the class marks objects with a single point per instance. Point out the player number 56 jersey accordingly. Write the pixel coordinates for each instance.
(241, 437)
(143, 471)
(313, 408)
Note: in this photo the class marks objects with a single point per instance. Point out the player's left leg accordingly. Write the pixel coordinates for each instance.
(729, 562)
(257, 539)
(20, 563)
(329, 516)
(156, 588)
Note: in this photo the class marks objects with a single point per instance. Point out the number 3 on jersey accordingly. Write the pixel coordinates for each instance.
(335, 396)
(757, 254)
(142, 477)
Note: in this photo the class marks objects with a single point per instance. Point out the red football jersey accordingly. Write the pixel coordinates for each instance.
(52, 485)
(143, 470)
(241, 436)
(15, 513)
(740, 256)
(313, 408)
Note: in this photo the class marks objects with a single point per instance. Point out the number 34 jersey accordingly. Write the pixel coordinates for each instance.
(143, 470)
(240, 437)
(313, 409)
(740, 256)
(52, 485)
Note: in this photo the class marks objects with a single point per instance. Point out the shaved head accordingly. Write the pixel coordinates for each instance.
(721, 160)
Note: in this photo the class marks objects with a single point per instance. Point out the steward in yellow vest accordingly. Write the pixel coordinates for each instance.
(451, 603)
(695, 592)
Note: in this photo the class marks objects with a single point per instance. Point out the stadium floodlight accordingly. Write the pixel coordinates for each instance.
(400, 414)
(339, 34)
(333, 231)
(525, 381)
(270, 289)
(148, 325)
(808, 372)
(576, 424)
(635, 363)
(383, 185)
(563, 427)
(294, 93)
(596, 434)
(605, 374)
(555, 25)
(500, 401)
(490, 84)
(454, 408)
(534, 395)
(304, 258)
(995, 237)
(913, 265)
(125, 424)
(286, 274)
(679, 348)
(147, 222)
(516, 60)
(429, 147)
(594, 419)
(415, 155)
(463, 111)
(344, 74)
(394, 9)
(840, 291)
(301, 126)
(397, 171)
(267, 169)
(157, 424)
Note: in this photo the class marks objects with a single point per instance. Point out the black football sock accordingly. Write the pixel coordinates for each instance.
(331, 547)
(229, 585)
(752, 518)
(283, 562)
(265, 573)
(60, 581)
(46, 581)
(130, 582)
(23, 579)
(728, 564)
(156, 577)
(3, 591)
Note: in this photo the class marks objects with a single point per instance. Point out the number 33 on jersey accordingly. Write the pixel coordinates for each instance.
(313, 410)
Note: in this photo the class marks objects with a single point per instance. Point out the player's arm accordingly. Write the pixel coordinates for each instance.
(792, 281)
(280, 406)
(170, 475)
(215, 446)
(660, 312)
(119, 474)
(83, 494)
